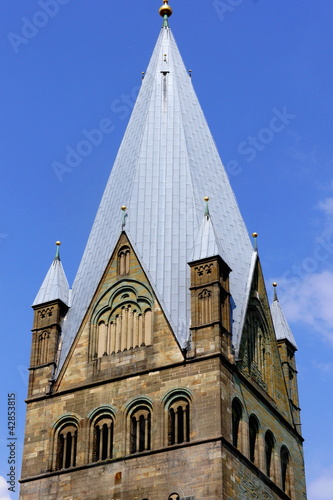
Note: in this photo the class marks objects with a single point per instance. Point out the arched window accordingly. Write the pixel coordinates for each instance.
(179, 421)
(140, 426)
(253, 439)
(125, 322)
(124, 261)
(237, 414)
(66, 446)
(103, 438)
(205, 307)
(102, 339)
(43, 348)
(256, 352)
(269, 449)
(285, 471)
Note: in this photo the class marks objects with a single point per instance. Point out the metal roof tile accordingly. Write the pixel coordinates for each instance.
(55, 285)
(167, 155)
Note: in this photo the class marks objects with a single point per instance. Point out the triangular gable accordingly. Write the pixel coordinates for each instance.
(258, 355)
(124, 326)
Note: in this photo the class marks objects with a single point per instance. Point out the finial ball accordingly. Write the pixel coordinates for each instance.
(58, 243)
(206, 198)
(275, 284)
(255, 235)
(165, 10)
(124, 208)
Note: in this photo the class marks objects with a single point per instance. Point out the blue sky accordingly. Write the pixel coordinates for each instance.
(67, 70)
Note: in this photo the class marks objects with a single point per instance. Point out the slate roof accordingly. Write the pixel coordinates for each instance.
(55, 285)
(166, 164)
(282, 329)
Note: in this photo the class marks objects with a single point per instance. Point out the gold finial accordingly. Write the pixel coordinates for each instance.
(165, 10)
(57, 255)
(206, 198)
(255, 235)
(275, 284)
(124, 216)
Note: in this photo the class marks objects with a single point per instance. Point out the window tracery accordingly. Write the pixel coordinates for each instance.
(205, 307)
(177, 424)
(125, 323)
(140, 429)
(43, 347)
(179, 421)
(256, 351)
(124, 260)
(66, 438)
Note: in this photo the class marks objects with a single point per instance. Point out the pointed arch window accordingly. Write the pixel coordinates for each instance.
(286, 482)
(177, 416)
(124, 261)
(125, 322)
(258, 350)
(205, 307)
(253, 439)
(43, 348)
(237, 415)
(102, 346)
(179, 421)
(103, 438)
(140, 429)
(269, 454)
(66, 446)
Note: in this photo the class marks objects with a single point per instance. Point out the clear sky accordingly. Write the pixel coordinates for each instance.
(66, 65)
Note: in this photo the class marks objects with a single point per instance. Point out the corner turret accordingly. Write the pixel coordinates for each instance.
(210, 293)
(287, 349)
(50, 307)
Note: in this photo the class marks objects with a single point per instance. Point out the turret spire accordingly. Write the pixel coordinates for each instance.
(282, 329)
(55, 285)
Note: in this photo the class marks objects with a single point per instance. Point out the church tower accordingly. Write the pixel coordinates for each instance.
(164, 373)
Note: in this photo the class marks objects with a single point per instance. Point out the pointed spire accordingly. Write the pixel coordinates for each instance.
(282, 329)
(206, 243)
(166, 162)
(55, 285)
